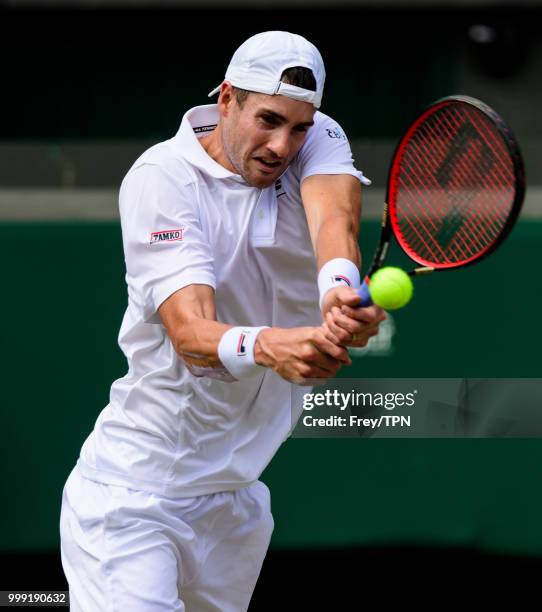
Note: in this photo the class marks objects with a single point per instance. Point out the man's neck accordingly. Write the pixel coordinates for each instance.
(213, 145)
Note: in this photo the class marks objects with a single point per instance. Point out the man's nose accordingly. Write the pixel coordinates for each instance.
(279, 145)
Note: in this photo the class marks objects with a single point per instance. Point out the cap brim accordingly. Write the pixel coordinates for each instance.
(215, 91)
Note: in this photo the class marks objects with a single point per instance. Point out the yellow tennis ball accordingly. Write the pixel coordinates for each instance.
(391, 288)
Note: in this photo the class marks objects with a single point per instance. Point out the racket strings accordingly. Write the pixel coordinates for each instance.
(453, 186)
(480, 219)
(499, 174)
(488, 210)
(466, 174)
(420, 206)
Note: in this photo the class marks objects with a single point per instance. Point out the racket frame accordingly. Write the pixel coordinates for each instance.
(389, 226)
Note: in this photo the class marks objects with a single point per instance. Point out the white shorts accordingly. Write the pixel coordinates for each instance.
(131, 551)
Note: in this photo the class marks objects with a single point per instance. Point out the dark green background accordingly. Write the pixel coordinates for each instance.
(62, 308)
(108, 74)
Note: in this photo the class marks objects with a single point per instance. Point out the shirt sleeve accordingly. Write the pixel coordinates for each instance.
(165, 246)
(326, 150)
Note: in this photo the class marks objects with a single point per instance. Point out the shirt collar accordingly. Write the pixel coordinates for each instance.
(196, 122)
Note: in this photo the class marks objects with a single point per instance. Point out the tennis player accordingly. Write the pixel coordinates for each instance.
(240, 241)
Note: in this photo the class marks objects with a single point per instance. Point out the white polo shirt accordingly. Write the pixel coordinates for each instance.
(186, 219)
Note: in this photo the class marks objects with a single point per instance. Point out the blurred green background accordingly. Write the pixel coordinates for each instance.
(86, 91)
(61, 357)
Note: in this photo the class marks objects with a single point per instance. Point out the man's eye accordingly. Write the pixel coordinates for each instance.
(269, 120)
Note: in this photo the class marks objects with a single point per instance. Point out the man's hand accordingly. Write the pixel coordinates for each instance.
(352, 326)
(302, 354)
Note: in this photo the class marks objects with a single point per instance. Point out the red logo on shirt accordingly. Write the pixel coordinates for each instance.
(167, 235)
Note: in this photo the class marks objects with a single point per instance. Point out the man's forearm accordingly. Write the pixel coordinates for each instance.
(333, 207)
(337, 237)
(197, 340)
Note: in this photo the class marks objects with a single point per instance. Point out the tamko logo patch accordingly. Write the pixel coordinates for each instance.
(167, 235)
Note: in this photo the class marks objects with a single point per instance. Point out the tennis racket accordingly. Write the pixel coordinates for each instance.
(455, 188)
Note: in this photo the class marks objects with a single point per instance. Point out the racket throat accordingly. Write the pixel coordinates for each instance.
(421, 271)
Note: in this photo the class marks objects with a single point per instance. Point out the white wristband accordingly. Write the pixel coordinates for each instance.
(337, 272)
(236, 351)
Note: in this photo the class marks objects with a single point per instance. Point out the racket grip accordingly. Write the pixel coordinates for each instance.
(364, 294)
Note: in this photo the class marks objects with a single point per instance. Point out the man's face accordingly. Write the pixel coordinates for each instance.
(262, 137)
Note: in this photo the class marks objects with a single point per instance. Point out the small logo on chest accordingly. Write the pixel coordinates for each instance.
(279, 189)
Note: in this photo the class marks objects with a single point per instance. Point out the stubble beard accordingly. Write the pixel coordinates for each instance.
(238, 164)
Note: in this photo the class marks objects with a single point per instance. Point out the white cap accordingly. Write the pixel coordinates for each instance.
(259, 62)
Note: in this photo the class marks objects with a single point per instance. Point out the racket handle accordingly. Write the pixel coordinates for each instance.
(364, 294)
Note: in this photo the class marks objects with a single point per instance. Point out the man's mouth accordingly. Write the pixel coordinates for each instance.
(267, 164)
